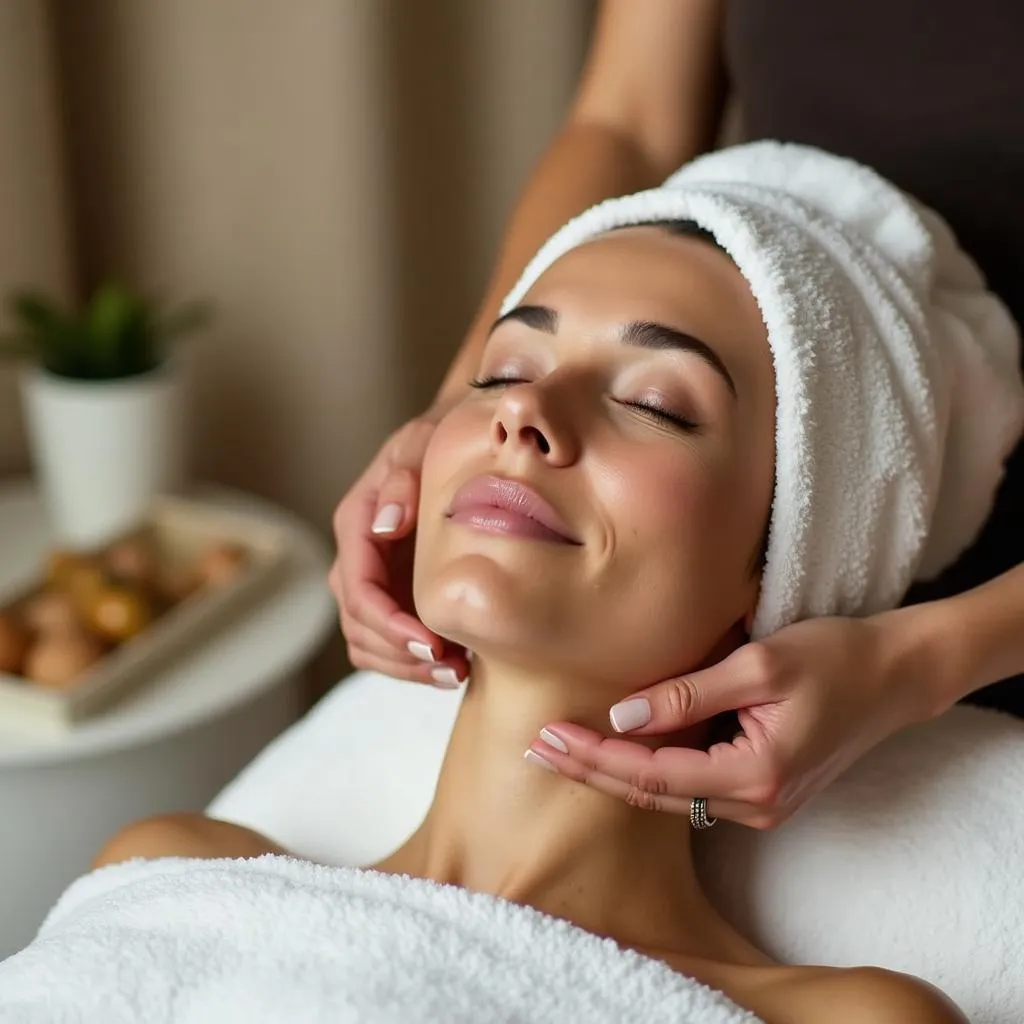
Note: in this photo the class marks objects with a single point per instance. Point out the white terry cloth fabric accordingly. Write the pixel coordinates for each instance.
(897, 373)
(275, 939)
(911, 860)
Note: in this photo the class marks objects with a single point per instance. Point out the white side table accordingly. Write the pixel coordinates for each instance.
(171, 745)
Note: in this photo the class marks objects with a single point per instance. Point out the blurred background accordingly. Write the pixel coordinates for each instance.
(333, 174)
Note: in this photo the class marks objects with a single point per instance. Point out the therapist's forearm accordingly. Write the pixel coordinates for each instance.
(979, 636)
(585, 164)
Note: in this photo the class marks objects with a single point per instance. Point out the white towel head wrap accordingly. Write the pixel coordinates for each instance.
(898, 389)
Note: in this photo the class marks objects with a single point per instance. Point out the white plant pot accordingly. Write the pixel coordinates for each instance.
(103, 449)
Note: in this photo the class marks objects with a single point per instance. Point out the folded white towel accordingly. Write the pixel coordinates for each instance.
(276, 939)
(897, 373)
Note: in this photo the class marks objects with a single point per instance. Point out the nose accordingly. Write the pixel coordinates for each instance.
(523, 423)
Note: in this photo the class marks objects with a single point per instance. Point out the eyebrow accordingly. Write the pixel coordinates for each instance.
(640, 333)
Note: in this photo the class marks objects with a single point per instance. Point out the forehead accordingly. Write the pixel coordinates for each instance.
(648, 274)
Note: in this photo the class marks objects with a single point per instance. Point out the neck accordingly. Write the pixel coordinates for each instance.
(501, 825)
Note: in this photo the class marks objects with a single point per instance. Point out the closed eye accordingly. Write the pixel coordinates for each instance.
(483, 383)
(662, 415)
(655, 412)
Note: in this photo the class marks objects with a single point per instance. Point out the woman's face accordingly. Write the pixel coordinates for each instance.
(596, 504)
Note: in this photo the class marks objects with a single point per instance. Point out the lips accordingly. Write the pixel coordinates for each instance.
(503, 506)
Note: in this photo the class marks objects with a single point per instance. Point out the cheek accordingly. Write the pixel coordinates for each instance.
(662, 497)
(679, 552)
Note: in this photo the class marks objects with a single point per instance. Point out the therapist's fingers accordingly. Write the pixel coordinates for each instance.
(412, 653)
(367, 650)
(443, 676)
(743, 679)
(396, 473)
(723, 771)
(727, 773)
(375, 585)
(642, 792)
(360, 575)
(439, 676)
(360, 638)
(397, 501)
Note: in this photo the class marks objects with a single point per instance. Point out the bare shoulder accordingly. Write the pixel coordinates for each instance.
(183, 835)
(872, 995)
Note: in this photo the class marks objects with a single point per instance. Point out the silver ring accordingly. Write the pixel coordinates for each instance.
(699, 820)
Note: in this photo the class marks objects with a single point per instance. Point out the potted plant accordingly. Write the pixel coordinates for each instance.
(102, 400)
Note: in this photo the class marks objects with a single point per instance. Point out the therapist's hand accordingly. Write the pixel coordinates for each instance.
(811, 699)
(371, 578)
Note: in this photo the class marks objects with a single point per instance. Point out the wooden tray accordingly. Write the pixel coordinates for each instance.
(181, 529)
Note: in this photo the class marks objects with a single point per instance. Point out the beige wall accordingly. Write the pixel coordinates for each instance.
(33, 240)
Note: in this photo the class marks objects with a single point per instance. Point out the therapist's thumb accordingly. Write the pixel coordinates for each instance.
(397, 503)
(686, 700)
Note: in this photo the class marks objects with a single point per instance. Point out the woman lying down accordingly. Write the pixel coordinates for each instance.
(706, 411)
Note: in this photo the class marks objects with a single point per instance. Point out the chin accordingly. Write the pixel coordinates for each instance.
(480, 604)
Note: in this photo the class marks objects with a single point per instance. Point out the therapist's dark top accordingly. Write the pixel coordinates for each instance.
(930, 94)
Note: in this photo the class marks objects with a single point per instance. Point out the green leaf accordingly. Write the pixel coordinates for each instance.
(138, 342)
(107, 320)
(48, 328)
(37, 315)
(117, 334)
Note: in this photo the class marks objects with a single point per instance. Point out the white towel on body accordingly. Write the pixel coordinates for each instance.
(911, 860)
(898, 386)
(274, 939)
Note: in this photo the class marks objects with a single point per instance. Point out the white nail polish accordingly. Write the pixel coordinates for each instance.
(445, 676)
(387, 519)
(420, 650)
(534, 758)
(553, 741)
(630, 714)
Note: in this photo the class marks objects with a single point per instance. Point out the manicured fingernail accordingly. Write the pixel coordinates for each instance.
(387, 519)
(420, 650)
(630, 714)
(534, 758)
(553, 741)
(446, 676)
